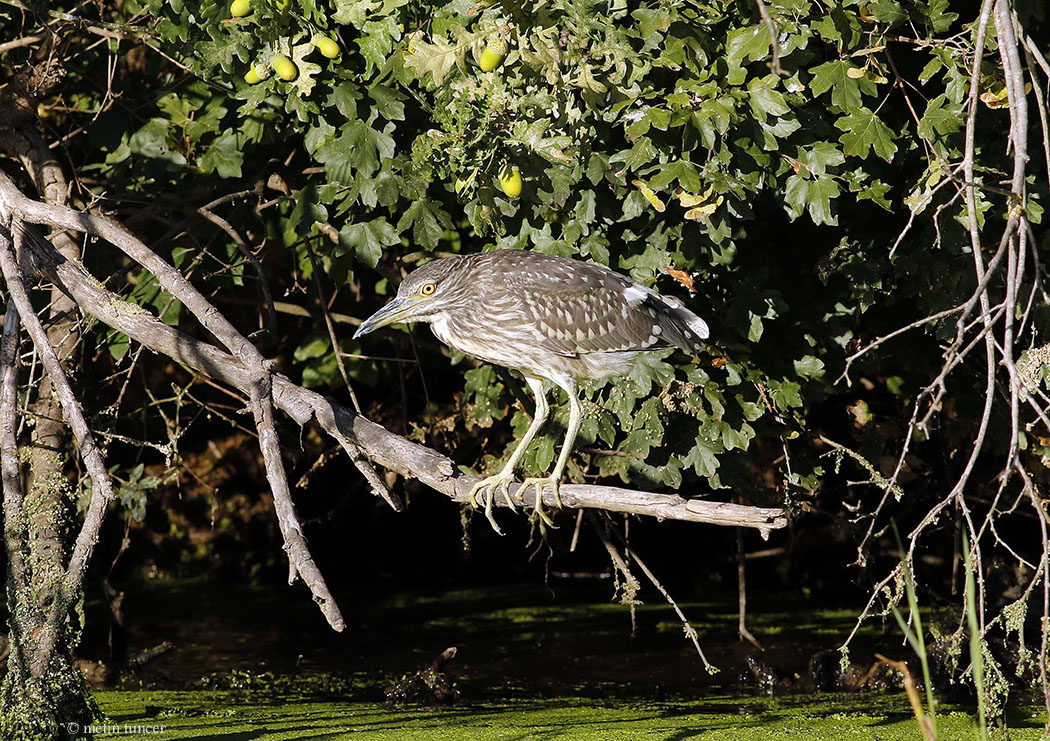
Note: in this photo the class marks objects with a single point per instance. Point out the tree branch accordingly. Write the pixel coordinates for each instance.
(294, 540)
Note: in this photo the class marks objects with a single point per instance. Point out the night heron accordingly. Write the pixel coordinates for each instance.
(551, 318)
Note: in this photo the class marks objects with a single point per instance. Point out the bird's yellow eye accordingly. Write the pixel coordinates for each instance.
(428, 289)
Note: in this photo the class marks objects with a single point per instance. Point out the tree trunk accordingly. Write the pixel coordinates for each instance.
(43, 694)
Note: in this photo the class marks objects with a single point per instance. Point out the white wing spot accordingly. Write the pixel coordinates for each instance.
(698, 325)
(634, 294)
(657, 329)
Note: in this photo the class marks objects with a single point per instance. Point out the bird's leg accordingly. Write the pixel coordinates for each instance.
(489, 485)
(554, 480)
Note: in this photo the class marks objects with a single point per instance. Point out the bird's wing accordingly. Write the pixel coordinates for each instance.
(595, 311)
(575, 308)
(583, 308)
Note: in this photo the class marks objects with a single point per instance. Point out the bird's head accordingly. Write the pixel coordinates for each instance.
(425, 293)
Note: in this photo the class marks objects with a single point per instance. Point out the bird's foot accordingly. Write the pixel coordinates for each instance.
(540, 483)
(486, 489)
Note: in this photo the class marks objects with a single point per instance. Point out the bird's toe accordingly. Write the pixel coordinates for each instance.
(539, 484)
(484, 492)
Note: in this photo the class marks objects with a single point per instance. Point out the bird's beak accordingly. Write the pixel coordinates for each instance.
(394, 312)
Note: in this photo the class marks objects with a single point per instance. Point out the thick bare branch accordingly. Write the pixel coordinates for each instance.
(166, 274)
(978, 257)
(1014, 233)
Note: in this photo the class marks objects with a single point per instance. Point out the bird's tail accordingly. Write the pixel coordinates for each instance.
(679, 326)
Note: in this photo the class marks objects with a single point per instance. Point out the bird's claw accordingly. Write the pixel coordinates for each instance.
(487, 488)
(539, 483)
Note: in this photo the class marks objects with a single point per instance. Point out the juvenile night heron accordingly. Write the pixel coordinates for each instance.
(551, 318)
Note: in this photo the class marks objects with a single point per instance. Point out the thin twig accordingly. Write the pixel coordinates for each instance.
(741, 590)
(774, 63)
(323, 300)
(690, 631)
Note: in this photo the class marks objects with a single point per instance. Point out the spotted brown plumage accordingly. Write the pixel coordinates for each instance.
(551, 318)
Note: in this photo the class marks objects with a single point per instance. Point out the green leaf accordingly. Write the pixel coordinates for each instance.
(543, 453)
(937, 15)
(756, 327)
(357, 150)
(427, 220)
(354, 12)
(652, 21)
(887, 11)
(642, 153)
(118, 344)
(702, 458)
(941, 117)
(819, 156)
(152, 141)
(809, 366)
(785, 394)
(306, 79)
(814, 196)
(846, 91)
(751, 410)
(224, 156)
(367, 239)
(865, 131)
(765, 100)
(531, 136)
(436, 58)
(322, 371)
(316, 345)
(376, 42)
(344, 97)
(751, 43)
(388, 102)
